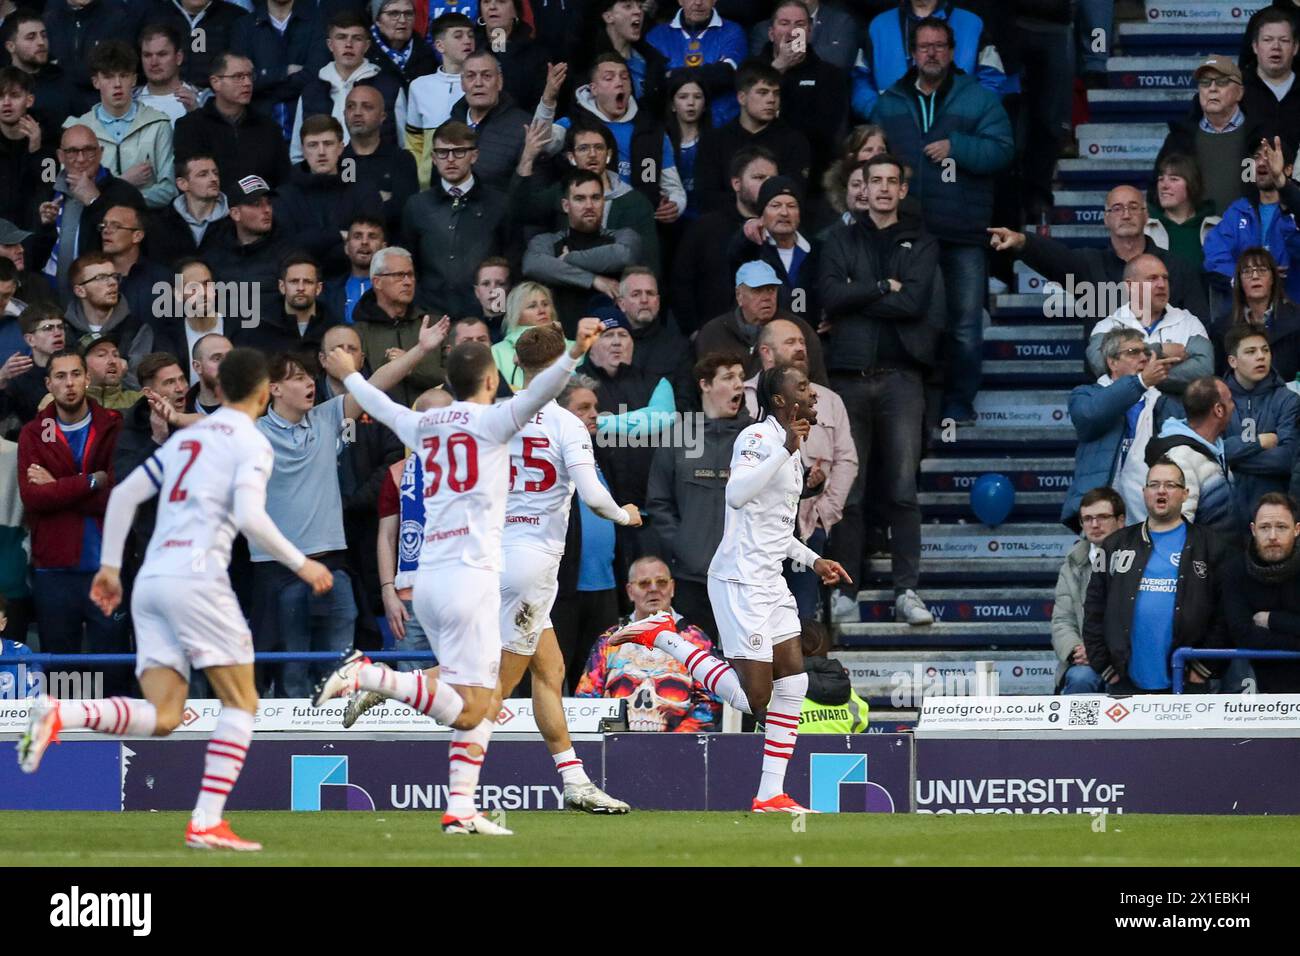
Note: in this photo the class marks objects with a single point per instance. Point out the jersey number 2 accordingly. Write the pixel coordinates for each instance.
(193, 447)
(459, 445)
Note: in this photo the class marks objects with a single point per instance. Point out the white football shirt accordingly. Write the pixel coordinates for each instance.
(196, 473)
(541, 487)
(759, 536)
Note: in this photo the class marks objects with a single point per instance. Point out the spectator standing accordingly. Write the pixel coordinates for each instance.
(492, 284)
(701, 286)
(65, 458)
(243, 141)
(24, 386)
(527, 305)
(1195, 445)
(1179, 217)
(1101, 514)
(660, 692)
(193, 315)
(1158, 587)
(104, 371)
(1170, 332)
(28, 47)
(584, 259)
(1263, 599)
(688, 126)
(699, 40)
(374, 161)
(773, 237)
(251, 249)
(1114, 419)
(1260, 442)
(24, 151)
(98, 308)
(1269, 92)
(190, 224)
(836, 34)
(75, 28)
(280, 37)
(621, 29)
(298, 320)
(394, 47)
(388, 321)
(493, 115)
(366, 236)
(1259, 299)
(431, 97)
(454, 224)
(937, 120)
(217, 21)
(828, 453)
(659, 350)
(686, 494)
(122, 239)
(203, 397)
(163, 89)
(523, 60)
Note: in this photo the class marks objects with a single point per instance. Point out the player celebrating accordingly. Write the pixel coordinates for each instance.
(466, 451)
(758, 620)
(213, 477)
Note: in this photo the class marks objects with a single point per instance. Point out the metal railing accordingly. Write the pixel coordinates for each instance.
(264, 657)
(1185, 654)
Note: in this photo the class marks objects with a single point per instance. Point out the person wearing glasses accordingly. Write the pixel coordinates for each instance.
(1195, 444)
(22, 378)
(122, 238)
(388, 321)
(1084, 270)
(1156, 586)
(1101, 513)
(454, 224)
(1259, 300)
(1217, 134)
(1170, 332)
(1114, 418)
(98, 308)
(393, 47)
(1266, 219)
(243, 141)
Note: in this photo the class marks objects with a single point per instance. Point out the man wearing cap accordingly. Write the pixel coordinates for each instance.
(773, 237)
(32, 286)
(760, 123)
(585, 260)
(250, 251)
(243, 141)
(1220, 136)
(757, 288)
(393, 47)
(105, 369)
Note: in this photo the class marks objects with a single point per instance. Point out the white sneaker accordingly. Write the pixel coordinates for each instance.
(43, 726)
(844, 609)
(910, 609)
(591, 799)
(475, 824)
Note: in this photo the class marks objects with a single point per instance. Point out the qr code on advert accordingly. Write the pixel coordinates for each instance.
(1085, 713)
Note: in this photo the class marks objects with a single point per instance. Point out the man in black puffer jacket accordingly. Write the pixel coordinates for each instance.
(1263, 593)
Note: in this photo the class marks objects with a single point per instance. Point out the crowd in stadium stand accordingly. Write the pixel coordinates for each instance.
(727, 185)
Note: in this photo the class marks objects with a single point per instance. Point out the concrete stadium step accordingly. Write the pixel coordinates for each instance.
(966, 572)
(1002, 439)
(1027, 475)
(1004, 543)
(995, 635)
(1177, 36)
(898, 678)
(1103, 173)
(1018, 309)
(1140, 141)
(1200, 12)
(1034, 343)
(1031, 372)
(1078, 207)
(1077, 236)
(966, 604)
(1152, 73)
(1023, 408)
(1137, 106)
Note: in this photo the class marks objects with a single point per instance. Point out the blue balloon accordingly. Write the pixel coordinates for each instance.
(991, 498)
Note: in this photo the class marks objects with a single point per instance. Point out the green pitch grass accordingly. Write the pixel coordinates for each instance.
(647, 839)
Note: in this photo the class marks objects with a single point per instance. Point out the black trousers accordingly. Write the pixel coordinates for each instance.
(579, 619)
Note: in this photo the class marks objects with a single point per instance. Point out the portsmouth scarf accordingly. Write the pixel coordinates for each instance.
(400, 57)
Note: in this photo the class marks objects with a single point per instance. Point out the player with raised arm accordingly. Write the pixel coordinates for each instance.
(466, 469)
(758, 621)
(211, 478)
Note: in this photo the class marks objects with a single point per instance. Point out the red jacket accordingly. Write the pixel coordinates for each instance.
(55, 510)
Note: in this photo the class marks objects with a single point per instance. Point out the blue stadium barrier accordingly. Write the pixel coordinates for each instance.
(1185, 654)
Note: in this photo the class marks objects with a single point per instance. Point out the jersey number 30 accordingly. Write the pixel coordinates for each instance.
(462, 456)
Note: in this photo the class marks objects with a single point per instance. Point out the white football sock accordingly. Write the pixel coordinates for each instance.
(717, 676)
(782, 724)
(225, 758)
(442, 703)
(570, 767)
(119, 716)
(466, 754)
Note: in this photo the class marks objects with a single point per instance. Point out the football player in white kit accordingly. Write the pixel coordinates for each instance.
(549, 457)
(757, 618)
(466, 449)
(211, 481)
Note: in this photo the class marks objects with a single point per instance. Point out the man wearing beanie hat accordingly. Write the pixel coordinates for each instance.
(773, 237)
(758, 90)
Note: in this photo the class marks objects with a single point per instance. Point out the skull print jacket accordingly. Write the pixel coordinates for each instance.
(1113, 589)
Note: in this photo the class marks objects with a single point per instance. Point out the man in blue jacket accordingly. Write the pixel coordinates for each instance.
(1260, 440)
(887, 54)
(711, 47)
(956, 136)
(1114, 418)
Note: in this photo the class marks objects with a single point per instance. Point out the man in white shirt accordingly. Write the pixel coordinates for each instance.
(161, 57)
(431, 97)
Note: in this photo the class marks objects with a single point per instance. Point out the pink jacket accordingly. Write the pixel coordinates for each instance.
(830, 445)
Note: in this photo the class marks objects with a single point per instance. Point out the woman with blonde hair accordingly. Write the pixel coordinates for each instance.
(528, 304)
